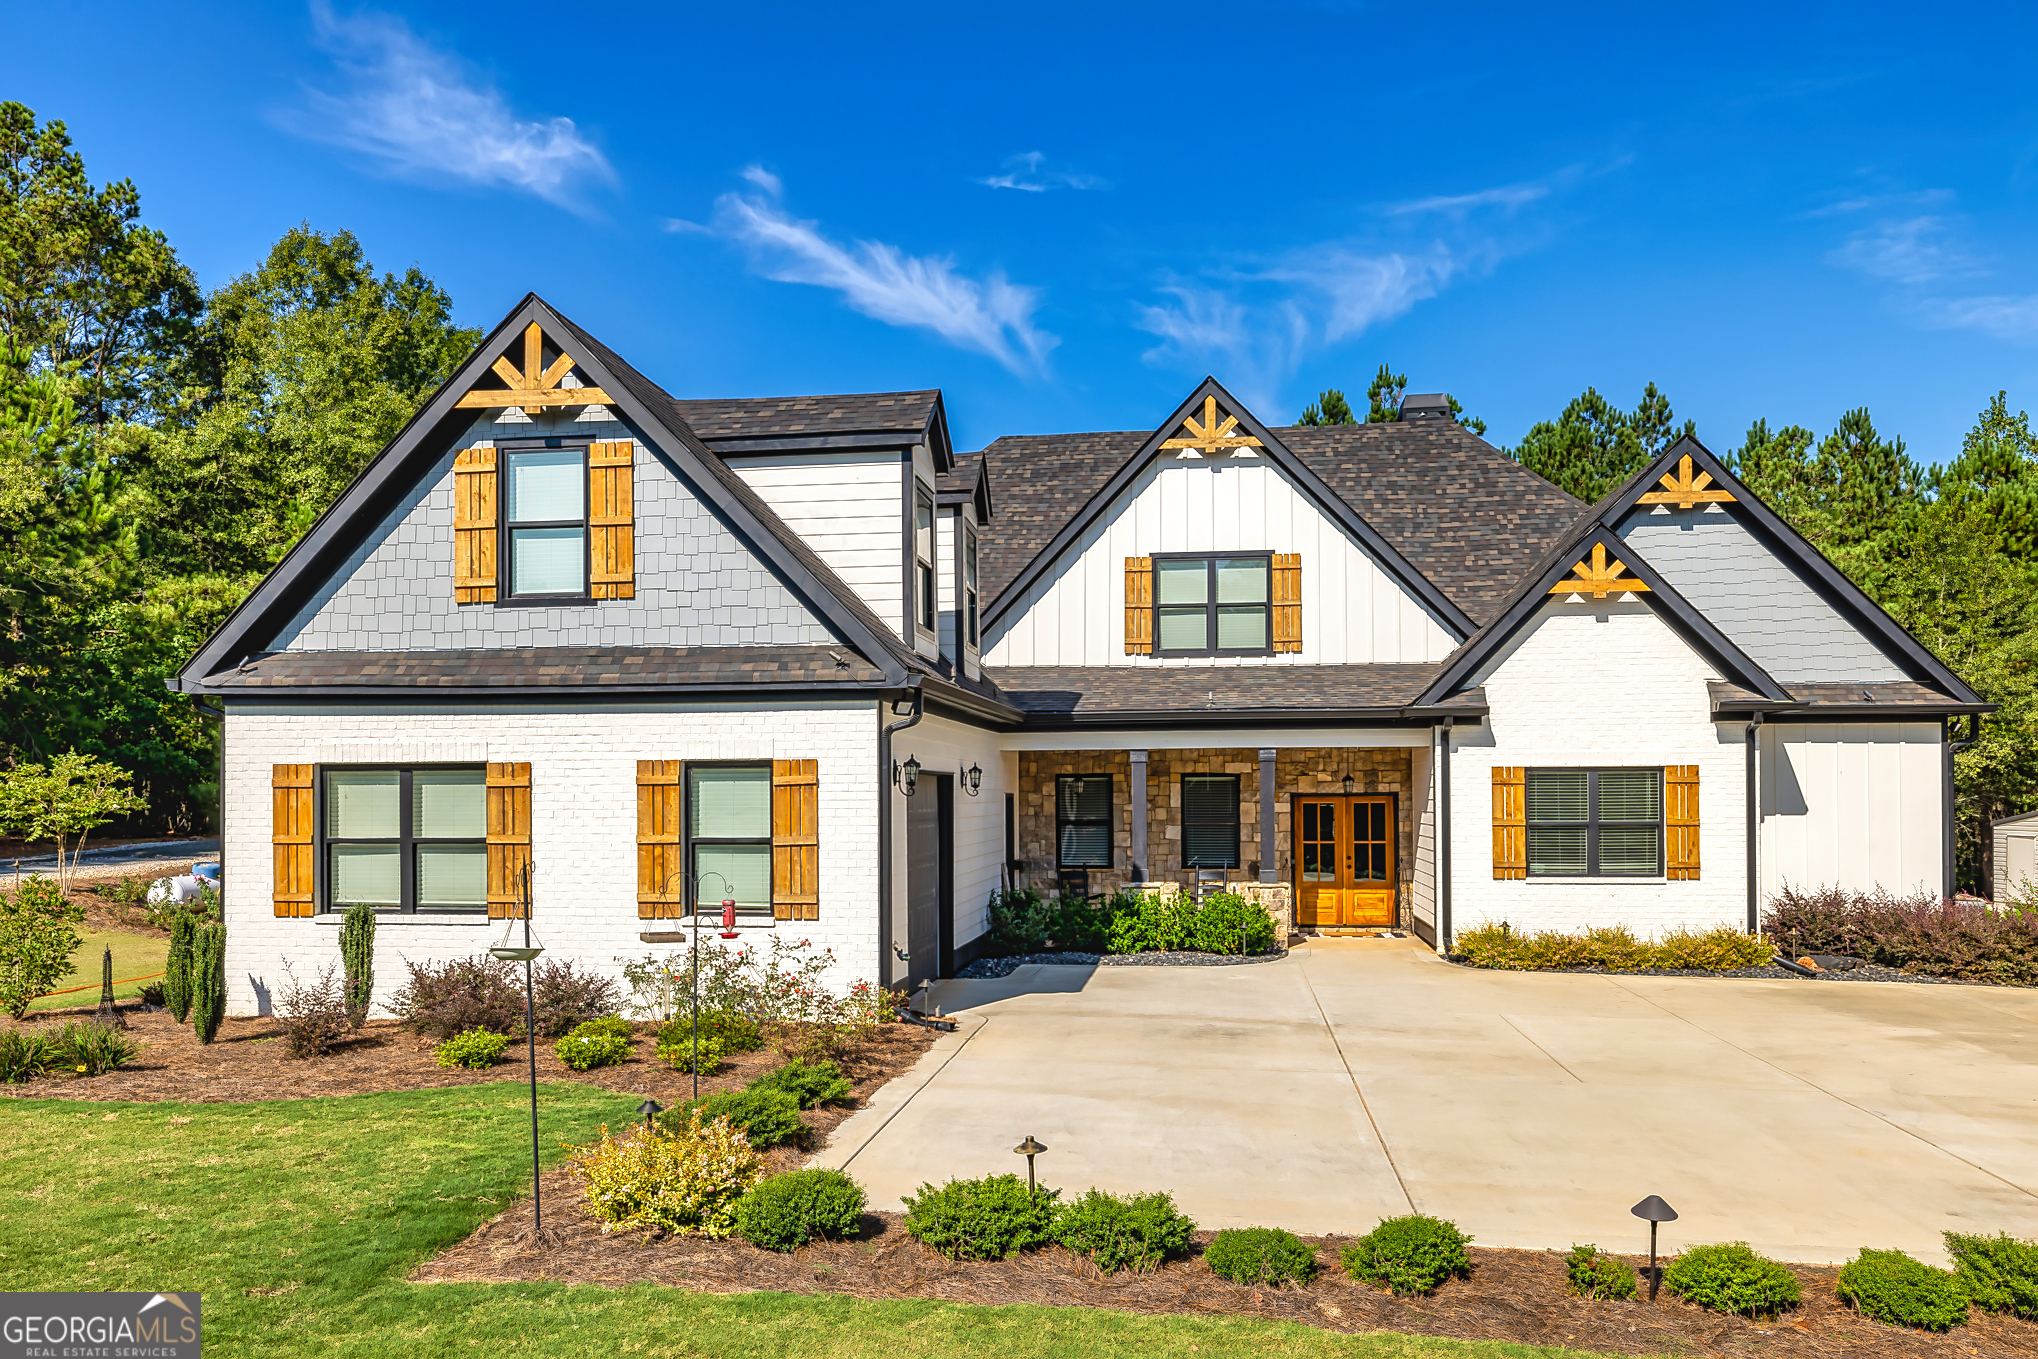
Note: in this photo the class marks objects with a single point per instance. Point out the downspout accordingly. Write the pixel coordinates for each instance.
(1754, 825)
(1444, 843)
(884, 824)
(220, 713)
(1953, 748)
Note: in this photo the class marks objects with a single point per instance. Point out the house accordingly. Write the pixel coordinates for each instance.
(2015, 858)
(573, 641)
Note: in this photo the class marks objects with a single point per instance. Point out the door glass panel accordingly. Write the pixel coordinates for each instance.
(452, 877)
(449, 804)
(1369, 829)
(1319, 842)
(546, 483)
(1183, 582)
(364, 804)
(742, 872)
(366, 873)
(1185, 629)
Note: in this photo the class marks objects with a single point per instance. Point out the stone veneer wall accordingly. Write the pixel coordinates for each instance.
(1296, 770)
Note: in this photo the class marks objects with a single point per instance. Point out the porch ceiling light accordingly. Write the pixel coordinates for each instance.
(1654, 1210)
(972, 780)
(906, 777)
(1030, 1148)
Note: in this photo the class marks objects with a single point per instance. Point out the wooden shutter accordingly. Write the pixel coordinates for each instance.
(290, 836)
(1510, 822)
(509, 838)
(796, 839)
(474, 526)
(1287, 601)
(611, 522)
(661, 891)
(1680, 822)
(1139, 606)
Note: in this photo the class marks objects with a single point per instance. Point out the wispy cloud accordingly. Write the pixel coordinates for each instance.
(423, 113)
(1030, 172)
(989, 316)
(1928, 256)
(2005, 318)
(1921, 249)
(1506, 196)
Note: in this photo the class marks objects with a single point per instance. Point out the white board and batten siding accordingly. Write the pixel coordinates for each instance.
(946, 747)
(849, 507)
(1353, 611)
(1851, 804)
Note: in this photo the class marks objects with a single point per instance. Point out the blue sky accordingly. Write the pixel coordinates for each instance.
(1065, 215)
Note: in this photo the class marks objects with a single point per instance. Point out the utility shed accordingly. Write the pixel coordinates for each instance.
(2016, 855)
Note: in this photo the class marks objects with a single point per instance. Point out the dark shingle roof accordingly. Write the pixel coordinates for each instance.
(550, 668)
(1466, 517)
(1117, 691)
(1839, 700)
(775, 417)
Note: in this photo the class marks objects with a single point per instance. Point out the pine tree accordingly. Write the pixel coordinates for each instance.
(208, 981)
(1330, 409)
(1384, 395)
(1590, 448)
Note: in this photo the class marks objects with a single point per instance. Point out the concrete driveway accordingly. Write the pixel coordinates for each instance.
(1357, 1079)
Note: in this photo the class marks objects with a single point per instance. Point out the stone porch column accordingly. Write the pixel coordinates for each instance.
(1269, 851)
(1139, 812)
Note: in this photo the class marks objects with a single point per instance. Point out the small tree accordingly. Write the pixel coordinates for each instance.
(177, 969)
(357, 953)
(36, 942)
(208, 981)
(64, 801)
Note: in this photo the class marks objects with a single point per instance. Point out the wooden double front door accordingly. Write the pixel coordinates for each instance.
(1344, 861)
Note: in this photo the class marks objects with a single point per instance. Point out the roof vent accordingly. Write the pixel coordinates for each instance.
(1426, 406)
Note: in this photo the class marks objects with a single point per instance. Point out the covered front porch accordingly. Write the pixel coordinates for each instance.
(1341, 823)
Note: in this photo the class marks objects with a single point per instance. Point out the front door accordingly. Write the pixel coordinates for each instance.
(930, 899)
(1344, 861)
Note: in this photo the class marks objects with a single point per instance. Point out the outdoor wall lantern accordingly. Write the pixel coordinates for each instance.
(1654, 1210)
(906, 777)
(649, 1108)
(1348, 785)
(1029, 1149)
(972, 779)
(524, 953)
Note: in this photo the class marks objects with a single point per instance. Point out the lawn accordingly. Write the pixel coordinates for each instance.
(298, 1220)
(134, 955)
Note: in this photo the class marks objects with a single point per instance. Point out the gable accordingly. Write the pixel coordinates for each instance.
(697, 585)
(1756, 596)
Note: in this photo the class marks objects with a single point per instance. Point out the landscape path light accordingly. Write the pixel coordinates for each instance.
(524, 953)
(1654, 1210)
(650, 1109)
(1029, 1149)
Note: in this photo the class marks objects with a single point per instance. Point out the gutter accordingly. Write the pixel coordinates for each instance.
(1247, 717)
(884, 819)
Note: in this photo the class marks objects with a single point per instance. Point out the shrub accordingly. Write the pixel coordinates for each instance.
(585, 1051)
(1145, 922)
(736, 1031)
(208, 980)
(476, 1050)
(785, 1212)
(1077, 924)
(767, 1117)
(1732, 1278)
(684, 1181)
(610, 1024)
(177, 968)
(1613, 947)
(681, 1050)
(25, 1053)
(1719, 949)
(1228, 923)
(152, 994)
(562, 996)
(36, 942)
(1135, 1232)
(313, 1014)
(1999, 1272)
(1260, 1255)
(820, 1083)
(444, 999)
(993, 1218)
(357, 952)
(90, 1048)
(1595, 1274)
(1920, 933)
(1890, 1286)
(1410, 1255)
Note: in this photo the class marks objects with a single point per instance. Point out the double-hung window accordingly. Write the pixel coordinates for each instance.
(1213, 606)
(1082, 820)
(1210, 821)
(923, 557)
(545, 521)
(969, 586)
(1594, 822)
(406, 839)
(728, 824)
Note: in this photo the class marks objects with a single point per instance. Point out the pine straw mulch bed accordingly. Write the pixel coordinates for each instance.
(248, 1060)
(1512, 1295)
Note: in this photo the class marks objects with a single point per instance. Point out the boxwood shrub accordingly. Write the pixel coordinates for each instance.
(1410, 1255)
(586, 1051)
(1595, 1274)
(993, 1218)
(1999, 1272)
(1731, 1277)
(1137, 1231)
(810, 1084)
(1260, 1255)
(767, 1117)
(785, 1212)
(1890, 1286)
(474, 1049)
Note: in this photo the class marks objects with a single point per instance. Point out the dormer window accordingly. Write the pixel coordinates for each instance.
(545, 521)
(969, 586)
(923, 558)
(1213, 606)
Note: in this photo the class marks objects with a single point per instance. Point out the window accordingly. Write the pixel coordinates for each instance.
(1595, 822)
(1210, 821)
(1212, 606)
(969, 586)
(406, 839)
(728, 828)
(1082, 820)
(923, 556)
(545, 518)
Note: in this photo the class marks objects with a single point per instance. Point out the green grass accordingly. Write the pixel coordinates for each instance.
(134, 955)
(298, 1219)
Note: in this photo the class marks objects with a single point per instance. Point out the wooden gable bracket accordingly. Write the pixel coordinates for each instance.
(1210, 436)
(1599, 578)
(537, 386)
(1684, 491)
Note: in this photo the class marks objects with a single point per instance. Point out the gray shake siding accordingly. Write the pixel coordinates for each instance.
(696, 584)
(1763, 605)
